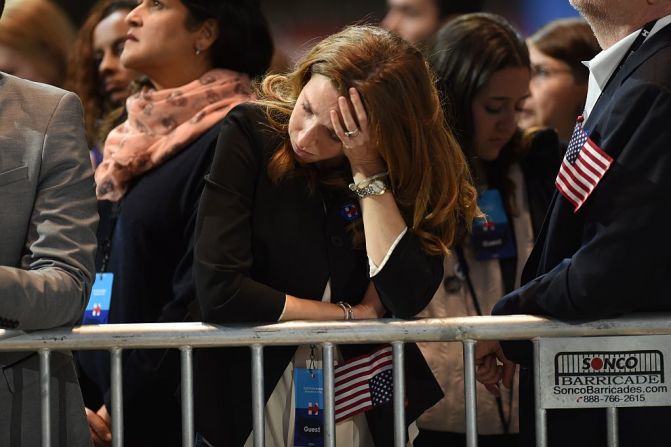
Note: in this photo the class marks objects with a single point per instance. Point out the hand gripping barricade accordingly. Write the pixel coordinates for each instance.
(569, 358)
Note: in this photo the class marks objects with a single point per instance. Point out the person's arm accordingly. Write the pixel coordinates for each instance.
(382, 219)
(623, 260)
(302, 309)
(223, 256)
(51, 286)
(405, 276)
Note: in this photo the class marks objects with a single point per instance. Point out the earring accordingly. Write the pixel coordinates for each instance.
(197, 51)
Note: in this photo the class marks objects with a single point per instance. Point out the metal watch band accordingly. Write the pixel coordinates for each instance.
(376, 187)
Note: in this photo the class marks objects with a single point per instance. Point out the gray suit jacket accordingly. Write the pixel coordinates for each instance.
(48, 219)
(47, 207)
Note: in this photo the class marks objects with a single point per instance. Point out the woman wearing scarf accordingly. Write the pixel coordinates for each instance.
(199, 57)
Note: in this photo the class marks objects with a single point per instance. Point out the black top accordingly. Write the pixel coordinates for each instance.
(151, 259)
(540, 166)
(612, 257)
(257, 241)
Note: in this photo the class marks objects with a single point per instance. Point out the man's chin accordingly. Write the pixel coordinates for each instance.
(590, 9)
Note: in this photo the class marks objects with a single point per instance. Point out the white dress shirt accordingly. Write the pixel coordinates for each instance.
(602, 66)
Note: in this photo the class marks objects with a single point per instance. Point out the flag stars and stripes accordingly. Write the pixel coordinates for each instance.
(583, 167)
(382, 387)
(363, 382)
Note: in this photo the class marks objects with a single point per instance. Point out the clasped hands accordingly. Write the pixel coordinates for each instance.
(492, 366)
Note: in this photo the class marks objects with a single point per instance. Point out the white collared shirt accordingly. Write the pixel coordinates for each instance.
(602, 66)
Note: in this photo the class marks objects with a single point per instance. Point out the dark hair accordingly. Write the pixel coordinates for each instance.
(569, 40)
(466, 53)
(2, 6)
(83, 77)
(107, 8)
(244, 43)
(450, 7)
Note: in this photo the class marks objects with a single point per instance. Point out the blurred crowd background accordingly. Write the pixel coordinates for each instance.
(296, 23)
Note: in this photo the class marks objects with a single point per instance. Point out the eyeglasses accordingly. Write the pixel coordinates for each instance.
(543, 72)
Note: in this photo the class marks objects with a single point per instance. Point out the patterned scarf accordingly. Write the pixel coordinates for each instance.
(161, 123)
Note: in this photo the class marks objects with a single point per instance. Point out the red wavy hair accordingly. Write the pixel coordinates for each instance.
(428, 174)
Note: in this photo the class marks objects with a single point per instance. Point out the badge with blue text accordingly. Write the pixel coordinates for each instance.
(309, 389)
(492, 236)
(98, 308)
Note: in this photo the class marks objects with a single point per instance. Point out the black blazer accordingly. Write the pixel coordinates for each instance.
(257, 241)
(613, 256)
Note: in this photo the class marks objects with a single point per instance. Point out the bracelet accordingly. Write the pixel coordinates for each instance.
(346, 309)
(367, 180)
(370, 186)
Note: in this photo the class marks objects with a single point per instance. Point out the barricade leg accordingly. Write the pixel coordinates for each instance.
(188, 432)
(470, 394)
(258, 404)
(45, 396)
(541, 422)
(329, 395)
(611, 424)
(399, 394)
(117, 398)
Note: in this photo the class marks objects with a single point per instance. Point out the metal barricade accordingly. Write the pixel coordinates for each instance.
(467, 330)
(600, 372)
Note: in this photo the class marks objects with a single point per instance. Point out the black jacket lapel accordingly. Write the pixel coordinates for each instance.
(660, 40)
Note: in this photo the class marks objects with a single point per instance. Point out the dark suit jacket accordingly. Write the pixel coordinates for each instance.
(613, 256)
(257, 241)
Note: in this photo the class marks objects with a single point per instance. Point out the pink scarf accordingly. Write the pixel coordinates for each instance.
(161, 123)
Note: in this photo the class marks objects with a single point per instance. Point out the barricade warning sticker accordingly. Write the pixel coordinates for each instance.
(604, 372)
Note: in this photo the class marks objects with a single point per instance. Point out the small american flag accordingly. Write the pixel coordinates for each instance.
(582, 169)
(363, 382)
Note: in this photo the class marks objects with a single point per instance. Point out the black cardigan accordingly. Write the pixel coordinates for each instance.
(257, 241)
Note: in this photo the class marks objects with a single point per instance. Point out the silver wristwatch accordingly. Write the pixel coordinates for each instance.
(375, 187)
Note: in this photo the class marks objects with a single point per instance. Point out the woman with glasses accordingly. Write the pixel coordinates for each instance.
(558, 77)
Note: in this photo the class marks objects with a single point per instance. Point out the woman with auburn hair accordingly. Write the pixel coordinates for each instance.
(96, 73)
(483, 72)
(334, 197)
(558, 77)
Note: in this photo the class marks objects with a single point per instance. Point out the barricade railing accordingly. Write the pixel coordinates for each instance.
(467, 330)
